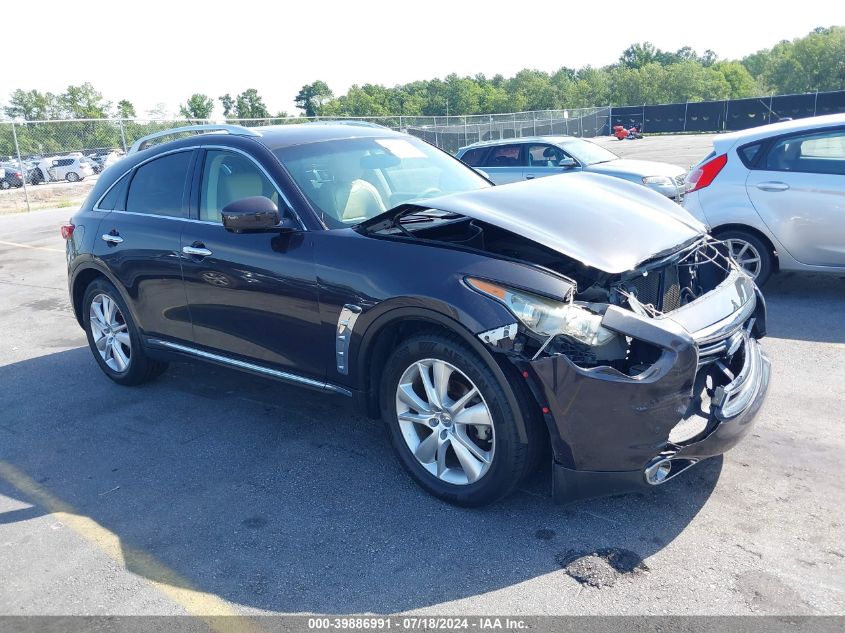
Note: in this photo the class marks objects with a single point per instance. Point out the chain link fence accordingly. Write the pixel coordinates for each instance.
(48, 164)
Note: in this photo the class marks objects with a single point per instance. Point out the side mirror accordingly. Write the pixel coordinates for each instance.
(255, 213)
(567, 162)
(55, 163)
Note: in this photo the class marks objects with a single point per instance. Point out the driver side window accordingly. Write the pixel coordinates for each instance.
(229, 176)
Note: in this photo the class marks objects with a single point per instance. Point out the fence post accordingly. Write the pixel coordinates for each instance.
(22, 166)
(771, 97)
(686, 107)
(816, 103)
(122, 134)
(534, 120)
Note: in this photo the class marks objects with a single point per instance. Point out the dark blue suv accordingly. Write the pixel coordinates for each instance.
(480, 323)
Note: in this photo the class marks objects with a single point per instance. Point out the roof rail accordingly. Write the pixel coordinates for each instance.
(355, 122)
(240, 130)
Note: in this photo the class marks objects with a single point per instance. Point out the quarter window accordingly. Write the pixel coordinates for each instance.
(820, 153)
(158, 186)
(474, 157)
(115, 199)
(226, 177)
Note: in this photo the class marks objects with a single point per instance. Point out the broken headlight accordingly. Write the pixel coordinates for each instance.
(547, 316)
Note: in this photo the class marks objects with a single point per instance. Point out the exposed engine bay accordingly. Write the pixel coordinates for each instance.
(656, 287)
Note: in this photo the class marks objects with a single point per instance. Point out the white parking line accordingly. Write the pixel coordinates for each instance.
(36, 248)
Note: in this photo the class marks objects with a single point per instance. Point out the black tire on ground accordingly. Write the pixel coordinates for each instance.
(5, 184)
(37, 177)
(512, 459)
(767, 257)
(141, 367)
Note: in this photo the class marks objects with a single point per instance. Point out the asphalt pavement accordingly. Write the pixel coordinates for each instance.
(215, 492)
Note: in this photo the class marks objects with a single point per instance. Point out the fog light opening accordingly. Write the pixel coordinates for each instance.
(658, 472)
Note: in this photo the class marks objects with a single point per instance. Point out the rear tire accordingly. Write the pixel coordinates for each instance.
(72, 177)
(113, 336)
(468, 455)
(750, 252)
(4, 184)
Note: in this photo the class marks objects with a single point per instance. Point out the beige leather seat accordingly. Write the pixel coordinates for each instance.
(356, 200)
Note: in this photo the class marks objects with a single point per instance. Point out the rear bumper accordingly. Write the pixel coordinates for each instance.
(613, 433)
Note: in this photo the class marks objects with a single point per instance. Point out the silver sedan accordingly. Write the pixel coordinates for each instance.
(517, 159)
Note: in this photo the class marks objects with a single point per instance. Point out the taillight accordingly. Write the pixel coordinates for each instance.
(704, 174)
(67, 230)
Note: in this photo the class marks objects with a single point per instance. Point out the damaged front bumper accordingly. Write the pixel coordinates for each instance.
(614, 433)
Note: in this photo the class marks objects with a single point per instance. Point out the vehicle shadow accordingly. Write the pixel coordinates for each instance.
(278, 498)
(806, 307)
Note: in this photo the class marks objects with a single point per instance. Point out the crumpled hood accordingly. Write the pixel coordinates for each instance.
(638, 168)
(603, 222)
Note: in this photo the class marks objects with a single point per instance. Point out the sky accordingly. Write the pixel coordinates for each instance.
(152, 52)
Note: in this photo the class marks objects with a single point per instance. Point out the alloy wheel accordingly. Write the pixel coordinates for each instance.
(445, 421)
(110, 333)
(746, 255)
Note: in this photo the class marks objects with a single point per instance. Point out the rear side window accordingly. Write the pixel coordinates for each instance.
(158, 187)
(474, 157)
(748, 153)
(115, 199)
(818, 153)
(504, 156)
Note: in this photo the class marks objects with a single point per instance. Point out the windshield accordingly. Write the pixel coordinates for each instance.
(352, 180)
(587, 153)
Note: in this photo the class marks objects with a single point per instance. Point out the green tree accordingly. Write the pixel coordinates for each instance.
(228, 104)
(312, 97)
(125, 109)
(84, 102)
(249, 105)
(198, 107)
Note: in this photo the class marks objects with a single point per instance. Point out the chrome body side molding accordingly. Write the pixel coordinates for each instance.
(240, 364)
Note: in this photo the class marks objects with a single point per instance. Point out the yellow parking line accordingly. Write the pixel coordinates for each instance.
(205, 606)
(35, 248)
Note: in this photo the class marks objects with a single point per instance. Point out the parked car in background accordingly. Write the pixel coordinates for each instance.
(70, 168)
(517, 159)
(95, 165)
(481, 323)
(11, 176)
(776, 195)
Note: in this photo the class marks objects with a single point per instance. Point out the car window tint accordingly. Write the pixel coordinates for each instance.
(504, 156)
(819, 153)
(474, 157)
(158, 186)
(748, 153)
(228, 176)
(544, 155)
(115, 199)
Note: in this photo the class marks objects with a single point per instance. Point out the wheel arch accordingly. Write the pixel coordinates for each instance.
(734, 226)
(82, 278)
(388, 330)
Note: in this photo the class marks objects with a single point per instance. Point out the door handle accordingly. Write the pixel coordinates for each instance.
(110, 238)
(772, 186)
(197, 250)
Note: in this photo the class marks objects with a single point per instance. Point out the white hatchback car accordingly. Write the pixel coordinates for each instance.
(69, 168)
(776, 195)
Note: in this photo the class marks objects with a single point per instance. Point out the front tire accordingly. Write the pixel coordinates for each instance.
(113, 336)
(450, 423)
(751, 253)
(72, 177)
